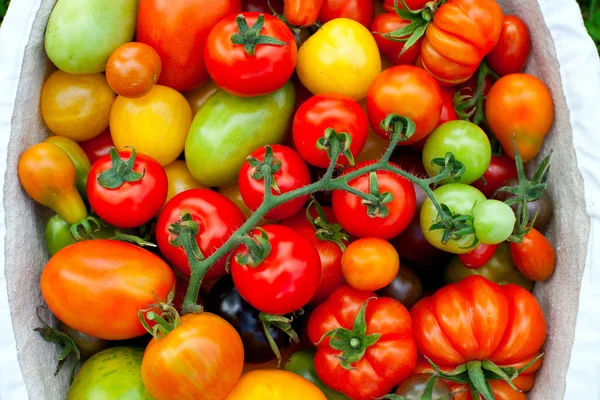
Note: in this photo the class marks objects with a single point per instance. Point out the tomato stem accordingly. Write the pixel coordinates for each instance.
(251, 37)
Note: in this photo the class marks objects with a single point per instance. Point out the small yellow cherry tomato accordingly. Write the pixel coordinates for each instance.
(76, 106)
(180, 179)
(198, 96)
(342, 57)
(274, 385)
(370, 264)
(155, 124)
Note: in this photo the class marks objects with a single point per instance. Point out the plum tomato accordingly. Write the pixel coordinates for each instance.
(534, 256)
(370, 264)
(133, 69)
(512, 50)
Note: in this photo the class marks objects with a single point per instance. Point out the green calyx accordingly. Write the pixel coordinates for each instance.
(376, 205)
(120, 172)
(164, 315)
(268, 167)
(282, 323)
(403, 128)
(258, 249)
(324, 229)
(85, 229)
(251, 37)
(352, 343)
(340, 141)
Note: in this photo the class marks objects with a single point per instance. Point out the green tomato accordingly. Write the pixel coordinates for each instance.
(303, 363)
(228, 128)
(494, 221)
(80, 161)
(82, 34)
(500, 269)
(469, 144)
(460, 199)
(114, 373)
(58, 234)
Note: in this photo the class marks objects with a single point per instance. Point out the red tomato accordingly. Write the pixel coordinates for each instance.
(250, 54)
(412, 4)
(291, 173)
(327, 242)
(217, 216)
(361, 11)
(511, 53)
(354, 216)
(127, 196)
(478, 257)
(336, 111)
(263, 6)
(534, 256)
(407, 91)
(501, 169)
(448, 113)
(133, 69)
(286, 280)
(385, 354)
(177, 30)
(390, 22)
(301, 12)
(98, 286)
(98, 147)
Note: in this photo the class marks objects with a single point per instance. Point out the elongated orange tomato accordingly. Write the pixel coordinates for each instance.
(48, 175)
(302, 12)
(98, 286)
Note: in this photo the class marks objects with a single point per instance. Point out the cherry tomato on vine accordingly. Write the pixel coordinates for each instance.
(534, 256)
(127, 189)
(494, 221)
(289, 172)
(98, 146)
(392, 49)
(501, 169)
(133, 69)
(407, 91)
(321, 123)
(250, 54)
(361, 11)
(511, 53)
(217, 217)
(284, 280)
(370, 264)
(479, 257)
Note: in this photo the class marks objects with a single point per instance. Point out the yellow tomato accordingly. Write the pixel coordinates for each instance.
(76, 106)
(274, 385)
(232, 192)
(155, 124)
(180, 179)
(198, 96)
(342, 57)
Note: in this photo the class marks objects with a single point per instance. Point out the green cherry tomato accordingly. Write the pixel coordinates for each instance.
(500, 269)
(58, 234)
(460, 199)
(494, 221)
(303, 363)
(466, 141)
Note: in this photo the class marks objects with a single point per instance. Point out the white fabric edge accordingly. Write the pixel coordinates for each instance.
(580, 74)
(14, 36)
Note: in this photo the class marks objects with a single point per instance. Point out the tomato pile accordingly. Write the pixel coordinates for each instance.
(309, 199)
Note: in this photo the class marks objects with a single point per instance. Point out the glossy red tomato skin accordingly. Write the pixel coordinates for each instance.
(241, 74)
(217, 216)
(177, 30)
(133, 203)
(534, 256)
(448, 113)
(478, 257)
(389, 22)
(352, 214)
(336, 111)
(511, 53)
(412, 4)
(501, 169)
(98, 147)
(407, 91)
(385, 364)
(293, 174)
(330, 253)
(361, 11)
(286, 280)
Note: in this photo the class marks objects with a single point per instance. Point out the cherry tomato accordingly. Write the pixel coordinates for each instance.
(405, 288)
(76, 106)
(521, 105)
(198, 96)
(359, 220)
(250, 54)
(392, 49)
(98, 146)
(333, 111)
(274, 385)
(501, 169)
(127, 189)
(370, 264)
(479, 257)
(534, 256)
(111, 281)
(301, 12)
(494, 221)
(412, 4)
(133, 69)
(361, 11)
(511, 53)
(291, 173)
(263, 6)
(407, 91)
(217, 216)
(286, 279)
(180, 179)
(210, 349)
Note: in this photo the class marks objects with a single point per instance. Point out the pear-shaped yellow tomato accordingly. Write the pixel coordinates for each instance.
(180, 179)
(342, 57)
(274, 385)
(76, 106)
(155, 124)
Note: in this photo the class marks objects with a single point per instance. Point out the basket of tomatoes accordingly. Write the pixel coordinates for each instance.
(299, 199)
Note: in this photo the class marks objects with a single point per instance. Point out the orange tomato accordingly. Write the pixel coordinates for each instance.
(48, 175)
(80, 160)
(274, 385)
(98, 286)
(534, 256)
(198, 96)
(521, 105)
(133, 69)
(370, 264)
(201, 359)
(180, 179)
(76, 106)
